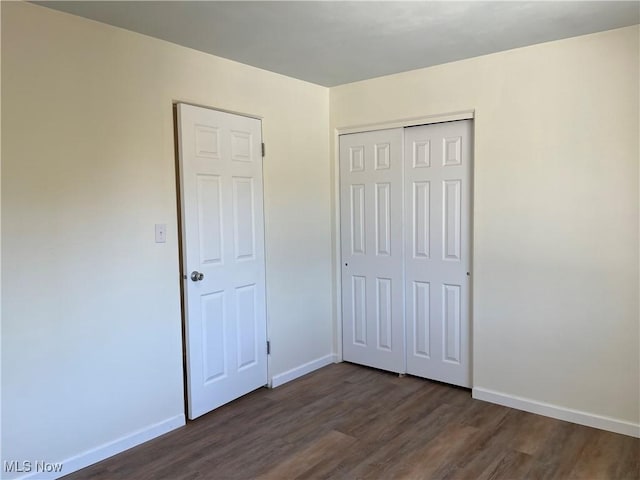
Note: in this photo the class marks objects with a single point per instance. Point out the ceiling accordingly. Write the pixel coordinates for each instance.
(332, 43)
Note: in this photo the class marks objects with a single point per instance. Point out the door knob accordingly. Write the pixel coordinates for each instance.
(197, 276)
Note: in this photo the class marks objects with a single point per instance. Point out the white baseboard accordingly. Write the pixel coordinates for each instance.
(561, 413)
(297, 372)
(95, 455)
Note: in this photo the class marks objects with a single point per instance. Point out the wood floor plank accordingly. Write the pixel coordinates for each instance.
(564, 446)
(383, 456)
(511, 465)
(323, 450)
(538, 431)
(496, 429)
(351, 422)
(607, 456)
(423, 462)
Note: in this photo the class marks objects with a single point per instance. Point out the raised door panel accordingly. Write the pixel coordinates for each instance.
(421, 151)
(356, 208)
(420, 319)
(209, 198)
(451, 151)
(243, 218)
(384, 314)
(451, 323)
(356, 158)
(421, 220)
(247, 319)
(214, 359)
(359, 309)
(451, 214)
(383, 220)
(382, 152)
(207, 142)
(242, 146)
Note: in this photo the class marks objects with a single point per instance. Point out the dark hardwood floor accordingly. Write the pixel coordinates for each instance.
(348, 422)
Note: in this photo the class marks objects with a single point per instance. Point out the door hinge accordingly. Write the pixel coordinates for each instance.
(268, 347)
(263, 149)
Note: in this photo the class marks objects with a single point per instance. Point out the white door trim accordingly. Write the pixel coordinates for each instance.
(223, 110)
(408, 122)
(468, 114)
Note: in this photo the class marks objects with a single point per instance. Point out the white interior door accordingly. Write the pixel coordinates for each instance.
(371, 241)
(220, 159)
(437, 250)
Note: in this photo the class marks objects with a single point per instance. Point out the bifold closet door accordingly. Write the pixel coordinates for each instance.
(371, 240)
(437, 221)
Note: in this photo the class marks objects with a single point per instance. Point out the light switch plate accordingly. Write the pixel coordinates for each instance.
(161, 233)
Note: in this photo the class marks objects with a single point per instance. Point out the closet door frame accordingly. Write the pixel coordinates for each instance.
(469, 114)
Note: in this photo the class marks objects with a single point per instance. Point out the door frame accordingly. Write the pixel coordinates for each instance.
(180, 232)
(470, 114)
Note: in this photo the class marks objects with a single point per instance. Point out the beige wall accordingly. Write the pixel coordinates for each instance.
(555, 303)
(91, 340)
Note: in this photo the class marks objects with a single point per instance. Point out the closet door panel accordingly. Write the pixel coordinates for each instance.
(371, 199)
(437, 189)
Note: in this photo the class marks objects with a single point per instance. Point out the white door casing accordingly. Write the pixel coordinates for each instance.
(221, 196)
(437, 220)
(371, 245)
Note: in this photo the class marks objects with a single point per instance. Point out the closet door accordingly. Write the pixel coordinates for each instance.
(371, 240)
(437, 190)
